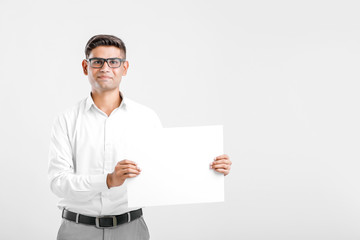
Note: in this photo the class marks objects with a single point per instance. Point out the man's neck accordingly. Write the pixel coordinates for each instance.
(106, 101)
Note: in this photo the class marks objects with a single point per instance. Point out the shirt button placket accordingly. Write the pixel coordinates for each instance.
(107, 146)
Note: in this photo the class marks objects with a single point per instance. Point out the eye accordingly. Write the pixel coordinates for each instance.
(97, 61)
(114, 62)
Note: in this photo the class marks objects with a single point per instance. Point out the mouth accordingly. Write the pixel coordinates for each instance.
(104, 77)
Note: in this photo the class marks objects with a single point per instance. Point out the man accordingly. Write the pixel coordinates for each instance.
(87, 160)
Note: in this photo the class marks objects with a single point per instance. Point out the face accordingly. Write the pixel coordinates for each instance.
(105, 79)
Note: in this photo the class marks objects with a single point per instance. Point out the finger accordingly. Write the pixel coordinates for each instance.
(131, 170)
(126, 161)
(122, 170)
(128, 171)
(130, 175)
(224, 156)
(222, 161)
(125, 166)
(224, 166)
(220, 170)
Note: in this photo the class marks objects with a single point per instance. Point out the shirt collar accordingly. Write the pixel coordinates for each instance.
(90, 102)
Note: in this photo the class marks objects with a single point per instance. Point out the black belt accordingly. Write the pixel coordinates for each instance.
(102, 221)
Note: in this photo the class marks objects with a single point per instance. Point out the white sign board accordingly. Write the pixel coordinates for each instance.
(175, 166)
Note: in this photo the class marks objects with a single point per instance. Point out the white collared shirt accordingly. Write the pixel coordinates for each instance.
(85, 146)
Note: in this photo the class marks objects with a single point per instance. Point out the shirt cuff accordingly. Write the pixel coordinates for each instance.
(98, 182)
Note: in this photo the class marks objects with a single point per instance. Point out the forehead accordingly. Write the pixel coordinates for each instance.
(106, 52)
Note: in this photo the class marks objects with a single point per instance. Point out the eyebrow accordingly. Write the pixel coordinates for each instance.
(106, 58)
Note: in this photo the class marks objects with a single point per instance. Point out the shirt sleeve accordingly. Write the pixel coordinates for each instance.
(64, 182)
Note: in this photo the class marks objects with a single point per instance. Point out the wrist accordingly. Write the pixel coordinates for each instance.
(108, 181)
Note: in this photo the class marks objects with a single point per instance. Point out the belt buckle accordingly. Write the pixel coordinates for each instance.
(97, 221)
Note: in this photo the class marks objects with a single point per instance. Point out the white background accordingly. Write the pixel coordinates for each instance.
(282, 76)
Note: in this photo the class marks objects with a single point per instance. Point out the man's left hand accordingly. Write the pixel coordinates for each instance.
(222, 164)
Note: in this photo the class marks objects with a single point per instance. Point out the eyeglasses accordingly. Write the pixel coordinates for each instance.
(111, 62)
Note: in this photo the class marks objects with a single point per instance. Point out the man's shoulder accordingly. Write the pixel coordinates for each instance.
(137, 107)
(73, 111)
(143, 113)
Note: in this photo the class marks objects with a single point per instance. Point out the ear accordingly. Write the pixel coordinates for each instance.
(85, 66)
(126, 67)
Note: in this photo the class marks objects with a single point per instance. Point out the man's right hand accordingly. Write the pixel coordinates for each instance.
(123, 170)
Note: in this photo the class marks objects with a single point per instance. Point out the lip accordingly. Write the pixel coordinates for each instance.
(103, 77)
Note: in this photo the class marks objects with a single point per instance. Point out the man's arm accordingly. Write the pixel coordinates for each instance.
(63, 181)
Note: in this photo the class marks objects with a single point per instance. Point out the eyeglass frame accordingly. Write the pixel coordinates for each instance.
(106, 60)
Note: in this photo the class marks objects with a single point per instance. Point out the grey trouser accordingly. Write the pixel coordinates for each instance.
(134, 230)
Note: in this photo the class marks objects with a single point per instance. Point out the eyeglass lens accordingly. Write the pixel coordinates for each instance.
(99, 62)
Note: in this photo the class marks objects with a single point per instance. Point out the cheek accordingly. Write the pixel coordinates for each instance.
(91, 76)
(92, 73)
(117, 73)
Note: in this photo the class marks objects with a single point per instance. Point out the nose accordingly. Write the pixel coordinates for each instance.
(105, 67)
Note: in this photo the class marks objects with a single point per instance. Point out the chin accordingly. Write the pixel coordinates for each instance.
(106, 88)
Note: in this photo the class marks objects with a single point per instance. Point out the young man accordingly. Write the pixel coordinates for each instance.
(87, 160)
